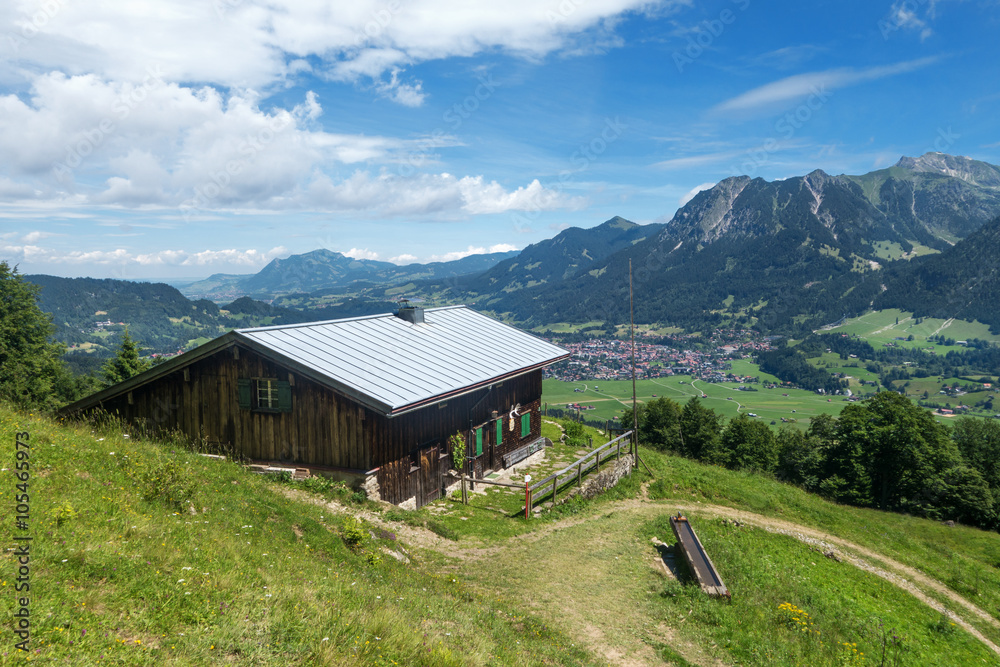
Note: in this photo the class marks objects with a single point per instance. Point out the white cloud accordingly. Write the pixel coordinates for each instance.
(34, 237)
(698, 160)
(120, 256)
(693, 191)
(903, 15)
(405, 258)
(106, 114)
(257, 43)
(427, 194)
(471, 250)
(360, 253)
(796, 88)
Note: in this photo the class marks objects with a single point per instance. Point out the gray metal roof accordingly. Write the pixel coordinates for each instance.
(390, 364)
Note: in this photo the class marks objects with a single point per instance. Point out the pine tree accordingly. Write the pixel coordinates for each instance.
(125, 364)
(29, 362)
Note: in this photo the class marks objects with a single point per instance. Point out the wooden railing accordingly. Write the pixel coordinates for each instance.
(593, 459)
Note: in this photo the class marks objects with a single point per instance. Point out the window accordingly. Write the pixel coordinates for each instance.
(264, 395)
(267, 394)
(526, 425)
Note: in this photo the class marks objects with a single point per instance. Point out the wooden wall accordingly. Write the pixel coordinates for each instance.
(325, 428)
(397, 441)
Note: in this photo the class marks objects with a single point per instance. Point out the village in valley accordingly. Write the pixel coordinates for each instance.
(660, 356)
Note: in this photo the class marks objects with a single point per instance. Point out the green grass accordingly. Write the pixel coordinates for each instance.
(965, 559)
(120, 575)
(794, 606)
(880, 326)
(250, 577)
(613, 396)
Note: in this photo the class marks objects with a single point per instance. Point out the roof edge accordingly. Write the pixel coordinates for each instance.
(167, 367)
(473, 387)
(358, 318)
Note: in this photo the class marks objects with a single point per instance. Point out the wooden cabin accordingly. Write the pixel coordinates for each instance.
(370, 400)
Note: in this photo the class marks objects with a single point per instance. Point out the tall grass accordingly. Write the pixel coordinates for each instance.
(236, 573)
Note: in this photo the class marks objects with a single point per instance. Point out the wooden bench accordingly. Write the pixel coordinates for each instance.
(524, 452)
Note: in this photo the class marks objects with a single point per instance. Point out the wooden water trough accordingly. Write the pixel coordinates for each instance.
(694, 553)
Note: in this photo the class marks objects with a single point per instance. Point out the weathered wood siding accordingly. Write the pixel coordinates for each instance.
(396, 442)
(323, 427)
(327, 429)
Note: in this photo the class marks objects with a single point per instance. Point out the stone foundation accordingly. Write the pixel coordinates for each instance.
(607, 478)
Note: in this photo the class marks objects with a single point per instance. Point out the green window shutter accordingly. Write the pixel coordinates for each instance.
(243, 389)
(499, 432)
(525, 425)
(479, 441)
(284, 397)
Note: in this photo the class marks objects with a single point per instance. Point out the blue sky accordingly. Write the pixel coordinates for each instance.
(180, 139)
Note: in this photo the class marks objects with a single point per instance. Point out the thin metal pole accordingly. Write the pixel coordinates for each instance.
(635, 412)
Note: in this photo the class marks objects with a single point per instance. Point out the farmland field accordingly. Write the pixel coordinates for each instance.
(610, 397)
(881, 326)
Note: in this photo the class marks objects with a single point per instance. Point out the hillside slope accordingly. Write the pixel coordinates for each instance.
(246, 570)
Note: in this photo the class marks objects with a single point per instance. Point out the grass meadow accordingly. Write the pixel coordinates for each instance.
(146, 553)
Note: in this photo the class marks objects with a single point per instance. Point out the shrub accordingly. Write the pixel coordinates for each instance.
(63, 513)
(159, 477)
(354, 533)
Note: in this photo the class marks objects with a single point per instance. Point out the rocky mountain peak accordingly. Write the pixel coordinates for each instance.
(957, 166)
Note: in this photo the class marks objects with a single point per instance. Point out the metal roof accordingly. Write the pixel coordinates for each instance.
(393, 365)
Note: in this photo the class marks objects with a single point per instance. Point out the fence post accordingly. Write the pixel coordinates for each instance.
(598, 462)
(579, 474)
(555, 482)
(465, 497)
(527, 501)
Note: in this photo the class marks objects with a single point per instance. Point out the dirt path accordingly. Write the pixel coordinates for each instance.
(903, 576)
(944, 325)
(605, 549)
(890, 326)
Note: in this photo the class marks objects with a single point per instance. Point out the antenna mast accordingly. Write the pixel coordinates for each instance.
(631, 319)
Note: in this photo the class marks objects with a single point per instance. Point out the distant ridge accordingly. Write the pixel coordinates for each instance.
(326, 269)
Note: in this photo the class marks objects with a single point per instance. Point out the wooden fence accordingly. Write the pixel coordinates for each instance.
(593, 459)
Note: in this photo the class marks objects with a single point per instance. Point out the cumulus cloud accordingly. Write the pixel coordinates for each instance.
(256, 43)
(106, 113)
(472, 250)
(425, 194)
(360, 253)
(405, 258)
(121, 256)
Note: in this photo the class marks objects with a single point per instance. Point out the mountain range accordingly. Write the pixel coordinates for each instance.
(784, 256)
(776, 253)
(325, 269)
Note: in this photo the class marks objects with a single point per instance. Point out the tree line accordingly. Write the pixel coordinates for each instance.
(884, 453)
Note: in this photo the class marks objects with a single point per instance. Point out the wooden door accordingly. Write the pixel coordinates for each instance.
(430, 476)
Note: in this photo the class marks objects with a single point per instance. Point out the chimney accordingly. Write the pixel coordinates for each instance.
(411, 314)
